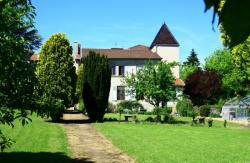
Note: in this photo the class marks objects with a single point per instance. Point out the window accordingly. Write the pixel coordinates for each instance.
(139, 67)
(120, 93)
(113, 71)
(121, 70)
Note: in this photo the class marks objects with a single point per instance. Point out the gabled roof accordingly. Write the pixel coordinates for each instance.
(164, 37)
(136, 52)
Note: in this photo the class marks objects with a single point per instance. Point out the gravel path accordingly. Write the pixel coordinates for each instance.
(89, 145)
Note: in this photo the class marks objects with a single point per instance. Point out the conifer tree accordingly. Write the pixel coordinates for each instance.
(192, 60)
(96, 85)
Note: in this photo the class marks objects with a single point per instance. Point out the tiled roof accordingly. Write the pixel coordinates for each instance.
(179, 82)
(136, 52)
(164, 37)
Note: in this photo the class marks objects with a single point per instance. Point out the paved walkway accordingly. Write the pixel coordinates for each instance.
(87, 144)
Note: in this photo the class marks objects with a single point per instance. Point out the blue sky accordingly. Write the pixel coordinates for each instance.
(125, 23)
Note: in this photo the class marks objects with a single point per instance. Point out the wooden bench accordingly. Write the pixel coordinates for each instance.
(129, 116)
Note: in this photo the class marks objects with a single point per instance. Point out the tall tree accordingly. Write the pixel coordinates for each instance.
(192, 60)
(96, 85)
(155, 83)
(56, 72)
(233, 78)
(203, 87)
(18, 37)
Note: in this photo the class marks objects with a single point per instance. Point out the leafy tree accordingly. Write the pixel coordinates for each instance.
(241, 57)
(187, 70)
(96, 85)
(155, 83)
(233, 78)
(233, 17)
(56, 74)
(203, 87)
(79, 82)
(18, 37)
(192, 60)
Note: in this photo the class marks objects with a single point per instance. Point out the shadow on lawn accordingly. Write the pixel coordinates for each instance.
(41, 157)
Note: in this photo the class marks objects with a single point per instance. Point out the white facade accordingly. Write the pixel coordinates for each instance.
(169, 54)
(130, 67)
(129, 61)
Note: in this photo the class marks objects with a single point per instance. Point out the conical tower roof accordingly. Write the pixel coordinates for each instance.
(164, 37)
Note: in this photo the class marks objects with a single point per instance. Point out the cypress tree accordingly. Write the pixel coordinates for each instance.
(96, 85)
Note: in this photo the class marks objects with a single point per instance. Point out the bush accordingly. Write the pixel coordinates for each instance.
(225, 123)
(215, 115)
(50, 107)
(168, 118)
(149, 119)
(204, 110)
(185, 107)
(162, 111)
(81, 106)
(210, 122)
(132, 106)
(111, 108)
(57, 111)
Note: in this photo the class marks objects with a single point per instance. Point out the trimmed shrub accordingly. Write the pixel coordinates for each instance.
(210, 122)
(162, 111)
(96, 85)
(149, 119)
(185, 107)
(204, 110)
(131, 106)
(168, 118)
(225, 123)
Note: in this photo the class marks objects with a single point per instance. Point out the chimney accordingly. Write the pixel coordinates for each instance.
(77, 49)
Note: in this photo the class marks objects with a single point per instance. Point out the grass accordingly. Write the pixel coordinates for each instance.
(38, 141)
(149, 142)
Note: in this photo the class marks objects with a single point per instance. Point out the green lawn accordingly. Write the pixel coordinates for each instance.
(38, 141)
(180, 142)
